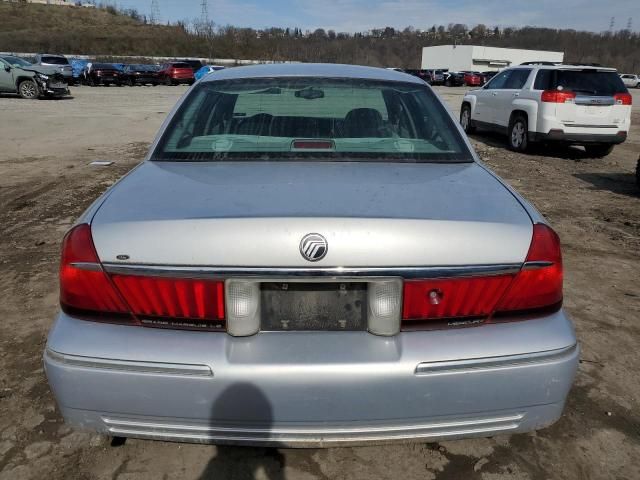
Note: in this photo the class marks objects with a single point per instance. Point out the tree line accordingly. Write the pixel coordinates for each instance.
(109, 31)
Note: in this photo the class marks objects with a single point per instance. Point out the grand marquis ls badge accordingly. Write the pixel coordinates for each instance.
(313, 247)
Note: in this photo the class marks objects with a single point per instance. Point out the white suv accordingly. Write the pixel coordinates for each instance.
(630, 80)
(576, 105)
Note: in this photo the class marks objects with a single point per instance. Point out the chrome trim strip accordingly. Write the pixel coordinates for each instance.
(536, 265)
(490, 363)
(130, 365)
(320, 272)
(310, 436)
(94, 267)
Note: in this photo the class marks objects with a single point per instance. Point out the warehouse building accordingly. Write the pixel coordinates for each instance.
(473, 57)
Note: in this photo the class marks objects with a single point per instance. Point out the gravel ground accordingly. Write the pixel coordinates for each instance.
(45, 182)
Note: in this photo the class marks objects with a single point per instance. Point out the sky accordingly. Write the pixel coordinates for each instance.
(361, 15)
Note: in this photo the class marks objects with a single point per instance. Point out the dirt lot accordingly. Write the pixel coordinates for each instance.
(45, 182)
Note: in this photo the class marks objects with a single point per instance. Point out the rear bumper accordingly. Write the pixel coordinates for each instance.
(310, 388)
(578, 138)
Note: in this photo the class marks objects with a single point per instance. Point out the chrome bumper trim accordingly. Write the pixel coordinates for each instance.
(320, 272)
(129, 365)
(492, 363)
(309, 434)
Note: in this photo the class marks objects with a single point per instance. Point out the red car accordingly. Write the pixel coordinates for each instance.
(175, 73)
(473, 79)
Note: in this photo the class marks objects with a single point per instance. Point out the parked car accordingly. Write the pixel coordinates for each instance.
(488, 76)
(420, 73)
(103, 74)
(304, 260)
(574, 105)
(454, 79)
(437, 77)
(630, 81)
(473, 79)
(175, 73)
(140, 74)
(78, 66)
(207, 69)
(30, 81)
(194, 64)
(58, 62)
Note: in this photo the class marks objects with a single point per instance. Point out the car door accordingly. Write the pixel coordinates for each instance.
(6, 77)
(485, 98)
(510, 91)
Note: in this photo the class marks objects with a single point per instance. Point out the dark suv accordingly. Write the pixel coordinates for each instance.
(102, 74)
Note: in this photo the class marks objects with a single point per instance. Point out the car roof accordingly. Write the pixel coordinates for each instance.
(564, 67)
(326, 70)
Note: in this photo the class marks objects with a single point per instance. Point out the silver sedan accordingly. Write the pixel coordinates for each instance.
(311, 255)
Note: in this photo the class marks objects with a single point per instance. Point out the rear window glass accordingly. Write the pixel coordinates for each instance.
(283, 118)
(180, 65)
(55, 60)
(585, 82)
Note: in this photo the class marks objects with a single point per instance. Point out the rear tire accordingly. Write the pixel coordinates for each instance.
(598, 151)
(28, 90)
(518, 133)
(465, 119)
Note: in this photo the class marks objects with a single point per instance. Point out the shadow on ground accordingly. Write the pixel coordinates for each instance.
(617, 182)
(495, 140)
(246, 401)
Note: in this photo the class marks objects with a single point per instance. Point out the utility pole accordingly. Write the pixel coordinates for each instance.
(612, 24)
(155, 12)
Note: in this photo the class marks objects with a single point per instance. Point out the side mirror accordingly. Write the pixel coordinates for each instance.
(7, 68)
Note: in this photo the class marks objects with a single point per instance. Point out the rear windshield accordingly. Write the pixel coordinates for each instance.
(586, 82)
(317, 118)
(104, 66)
(180, 65)
(54, 60)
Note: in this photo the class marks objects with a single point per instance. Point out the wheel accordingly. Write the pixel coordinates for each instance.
(598, 151)
(518, 133)
(28, 89)
(167, 81)
(638, 173)
(465, 119)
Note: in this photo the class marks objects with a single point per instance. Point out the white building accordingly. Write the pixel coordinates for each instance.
(473, 57)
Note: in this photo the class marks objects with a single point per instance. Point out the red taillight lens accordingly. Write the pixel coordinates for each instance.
(539, 283)
(84, 286)
(453, 298)
(180, 298)
(557, 96)
(623, 99)
(87, 289)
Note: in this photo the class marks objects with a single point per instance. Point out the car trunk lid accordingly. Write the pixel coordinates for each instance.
(256, 214)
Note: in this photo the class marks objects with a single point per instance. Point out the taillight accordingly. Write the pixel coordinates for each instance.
(538, 285)
(84, 286)
(172, 298)
(623, 99)
(453, 298)
(86, 289)
(557, 96)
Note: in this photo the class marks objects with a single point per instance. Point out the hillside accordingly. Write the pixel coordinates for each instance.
(107, 32)
(48, 28)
